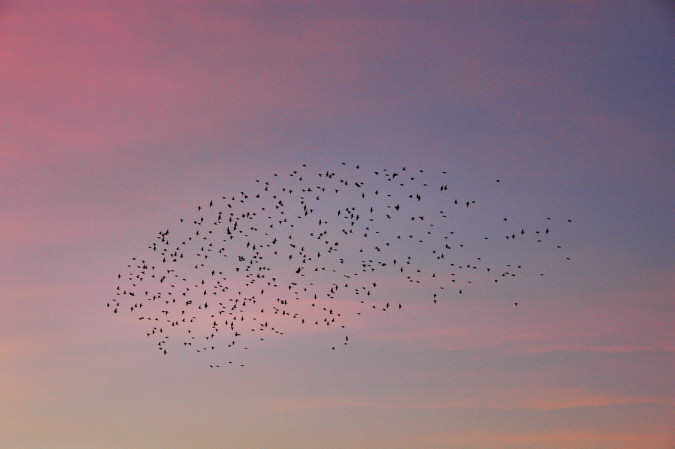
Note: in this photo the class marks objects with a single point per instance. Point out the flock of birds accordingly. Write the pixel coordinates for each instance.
(319, 249)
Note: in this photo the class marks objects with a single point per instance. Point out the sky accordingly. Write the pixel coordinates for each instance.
(117, 118)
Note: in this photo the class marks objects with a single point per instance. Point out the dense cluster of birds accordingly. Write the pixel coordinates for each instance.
(309, 248)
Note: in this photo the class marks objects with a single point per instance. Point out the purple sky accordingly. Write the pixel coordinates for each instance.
(117, 119)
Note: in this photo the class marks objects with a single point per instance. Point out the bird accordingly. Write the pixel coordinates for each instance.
(360, 238)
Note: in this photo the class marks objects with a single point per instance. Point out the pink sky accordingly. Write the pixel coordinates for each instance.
(117, 119)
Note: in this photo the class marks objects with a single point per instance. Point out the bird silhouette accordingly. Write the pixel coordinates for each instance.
(281, 256)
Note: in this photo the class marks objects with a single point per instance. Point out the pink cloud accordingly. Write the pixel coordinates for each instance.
(600, 349)
(118, 89)
(523, 398)
(552, 440)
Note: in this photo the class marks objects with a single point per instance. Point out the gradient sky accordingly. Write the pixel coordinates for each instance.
(116, 118)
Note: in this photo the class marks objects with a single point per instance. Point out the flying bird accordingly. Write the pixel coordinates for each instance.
(316, 248)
